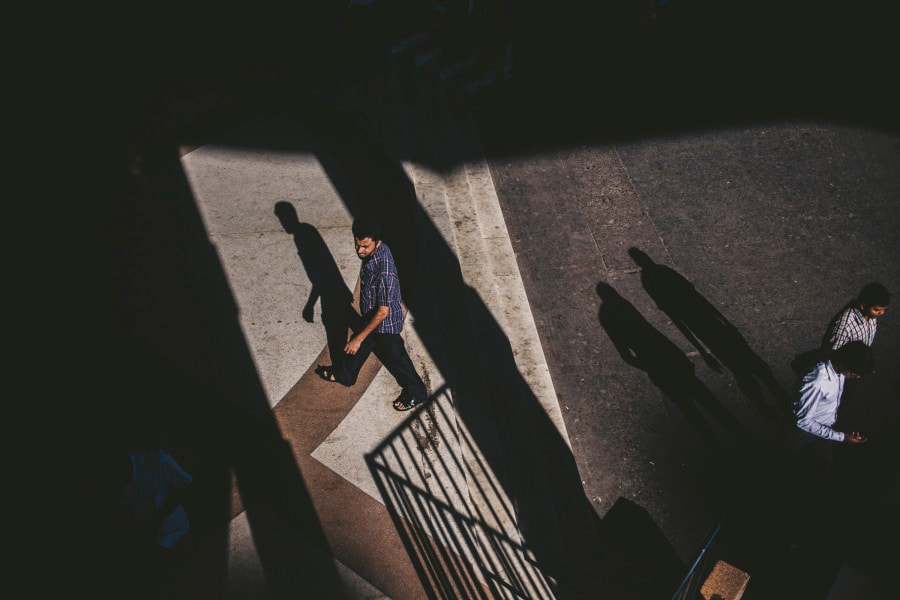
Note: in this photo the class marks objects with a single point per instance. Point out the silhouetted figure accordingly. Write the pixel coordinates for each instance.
(709, 331)
(328, 285)
(643, 346)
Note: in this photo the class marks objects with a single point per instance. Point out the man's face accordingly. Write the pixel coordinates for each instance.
(365, 247)
(873, 311)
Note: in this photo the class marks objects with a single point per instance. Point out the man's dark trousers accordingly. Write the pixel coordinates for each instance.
(389, 349)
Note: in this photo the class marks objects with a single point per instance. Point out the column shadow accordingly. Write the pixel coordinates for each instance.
(176, 362)
(328, 287)
(642, 346)
(716, 339)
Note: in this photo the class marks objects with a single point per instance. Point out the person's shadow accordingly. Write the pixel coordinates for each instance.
(642, 346)
(327, 283)
(715, 338)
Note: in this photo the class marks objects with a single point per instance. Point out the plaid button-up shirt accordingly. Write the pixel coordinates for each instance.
(850, 326)
(379, 285)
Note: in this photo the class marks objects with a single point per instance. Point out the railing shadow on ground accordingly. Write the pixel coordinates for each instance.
(459, 529)
(457, 525)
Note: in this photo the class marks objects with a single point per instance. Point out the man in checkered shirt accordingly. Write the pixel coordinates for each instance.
(859, 320)
(382, 320)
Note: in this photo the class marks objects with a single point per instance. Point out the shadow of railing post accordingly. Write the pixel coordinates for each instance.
(454, 541)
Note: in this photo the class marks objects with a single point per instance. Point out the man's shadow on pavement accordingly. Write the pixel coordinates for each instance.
(641, 345)
(715, 338)
(327, 283)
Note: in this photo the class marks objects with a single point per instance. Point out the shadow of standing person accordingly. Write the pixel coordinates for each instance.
(328, 285)
(703, 324)
(642, 346)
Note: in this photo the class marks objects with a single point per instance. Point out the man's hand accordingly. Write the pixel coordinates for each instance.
(308, 313)
(855, 437)
(353, 345)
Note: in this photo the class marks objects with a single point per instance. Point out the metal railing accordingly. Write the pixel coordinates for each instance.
(689, 588)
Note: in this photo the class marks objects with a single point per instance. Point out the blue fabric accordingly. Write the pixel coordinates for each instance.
(380, 286)
(154, 474)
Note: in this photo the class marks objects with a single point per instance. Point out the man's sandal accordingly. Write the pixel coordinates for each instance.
(404, 403)
(326, 373)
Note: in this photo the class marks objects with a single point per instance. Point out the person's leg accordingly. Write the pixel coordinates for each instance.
(350, 365)
(390, 350)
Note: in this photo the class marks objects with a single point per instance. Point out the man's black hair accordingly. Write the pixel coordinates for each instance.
(874, 294)
(855, 357)
(367, 226)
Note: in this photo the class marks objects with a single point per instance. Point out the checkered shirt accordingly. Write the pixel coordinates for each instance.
(380, 286)
(850, 326)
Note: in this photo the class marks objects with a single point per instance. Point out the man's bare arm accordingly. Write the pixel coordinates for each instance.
(380, 315)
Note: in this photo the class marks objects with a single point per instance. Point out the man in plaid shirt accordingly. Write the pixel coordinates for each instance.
(382, 320)
(859, 320)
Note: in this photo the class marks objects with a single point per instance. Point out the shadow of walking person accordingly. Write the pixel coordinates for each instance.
(642, 346)
(711, 333)
(328, 285)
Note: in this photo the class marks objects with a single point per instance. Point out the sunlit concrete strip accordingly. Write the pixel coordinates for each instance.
(237, 182)
(502, 290)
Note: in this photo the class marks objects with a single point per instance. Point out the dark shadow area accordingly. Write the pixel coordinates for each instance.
(822, 517)
(642, 346)
(175, 365)
(611, 71)
(328, 287)
(715, 338)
